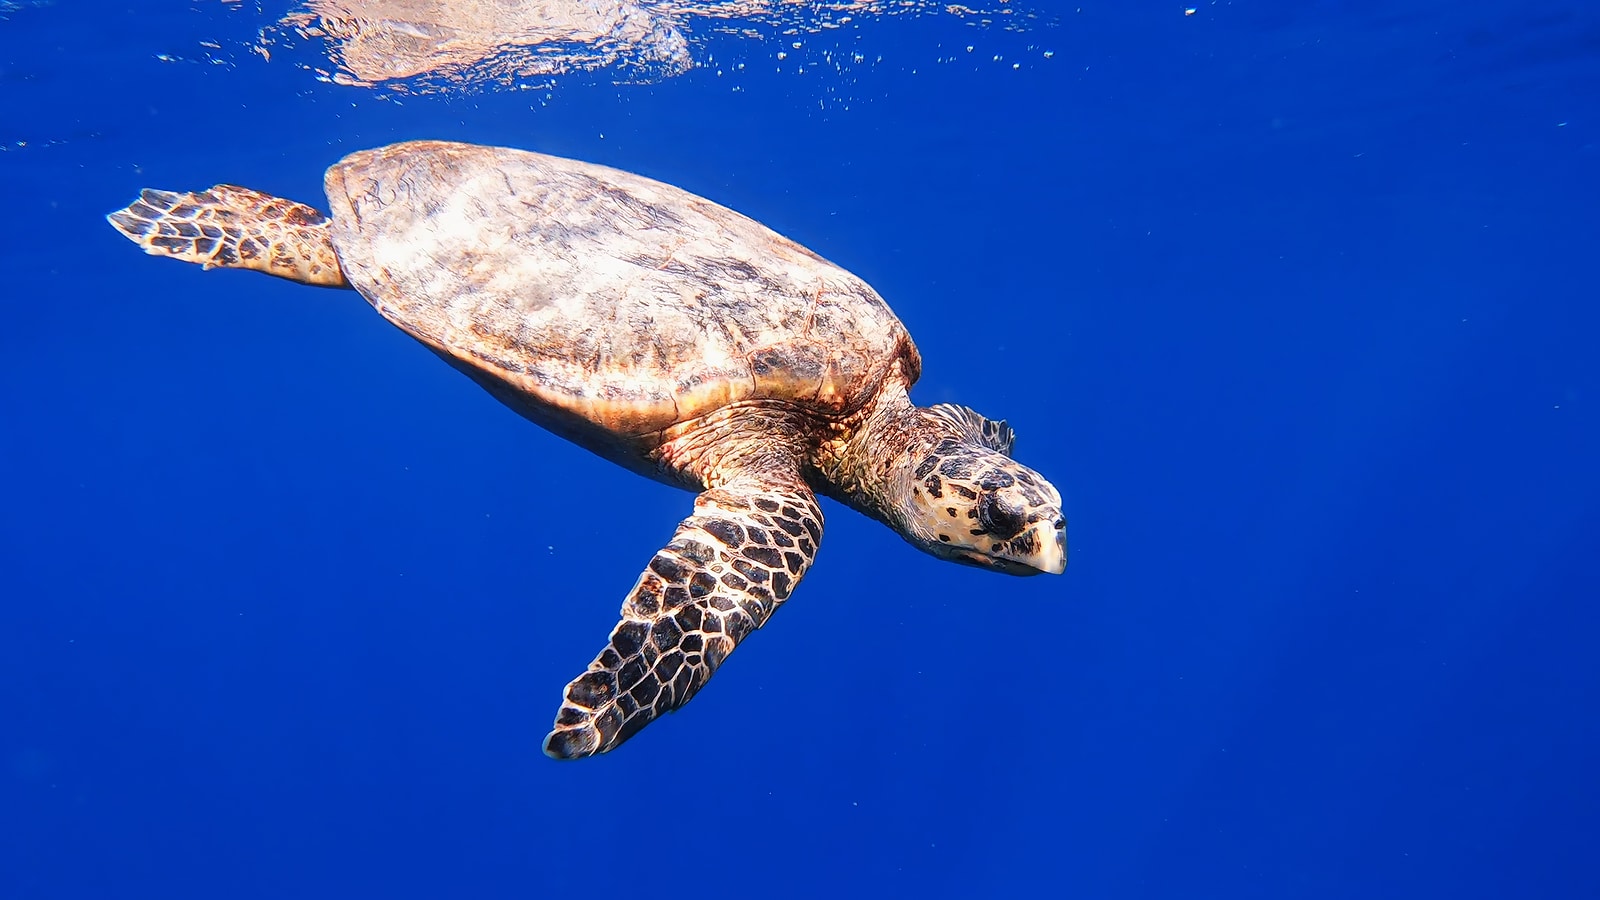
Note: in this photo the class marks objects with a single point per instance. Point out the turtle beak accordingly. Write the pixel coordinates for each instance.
(1047, 540)
(1052, 538)
(1049, 543)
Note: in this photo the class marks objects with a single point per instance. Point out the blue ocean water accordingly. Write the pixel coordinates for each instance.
(1295, 301)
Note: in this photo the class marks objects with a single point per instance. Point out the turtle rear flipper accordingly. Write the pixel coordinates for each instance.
(730, 564)
(236, 228)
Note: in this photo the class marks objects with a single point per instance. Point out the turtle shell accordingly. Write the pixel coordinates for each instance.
(579, 292)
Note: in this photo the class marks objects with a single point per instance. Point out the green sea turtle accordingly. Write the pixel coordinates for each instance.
(665, 333)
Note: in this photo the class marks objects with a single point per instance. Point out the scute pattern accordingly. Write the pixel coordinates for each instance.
(628, 303)
(732, 563)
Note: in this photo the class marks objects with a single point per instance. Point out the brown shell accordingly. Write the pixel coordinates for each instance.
(628, 303)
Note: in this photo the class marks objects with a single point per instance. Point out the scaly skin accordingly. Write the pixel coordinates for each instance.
(234, 227)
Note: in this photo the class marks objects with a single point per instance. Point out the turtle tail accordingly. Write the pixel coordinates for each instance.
(236, 228)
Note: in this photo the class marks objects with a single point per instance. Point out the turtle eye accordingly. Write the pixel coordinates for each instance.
(999, 516)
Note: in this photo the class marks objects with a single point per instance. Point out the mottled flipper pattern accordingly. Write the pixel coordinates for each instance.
(730, 564)
(975, 427)
(236, 228)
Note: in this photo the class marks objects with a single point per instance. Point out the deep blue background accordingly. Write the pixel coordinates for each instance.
(1294, 299)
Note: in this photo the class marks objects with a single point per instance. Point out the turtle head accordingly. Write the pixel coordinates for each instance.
(968, 501)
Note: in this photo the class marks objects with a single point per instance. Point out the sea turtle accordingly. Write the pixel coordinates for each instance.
(665, 333)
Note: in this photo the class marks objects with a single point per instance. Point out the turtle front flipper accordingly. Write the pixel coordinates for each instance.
(236, 228)
(730, 564)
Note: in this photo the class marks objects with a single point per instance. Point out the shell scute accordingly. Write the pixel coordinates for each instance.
(625, 302)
